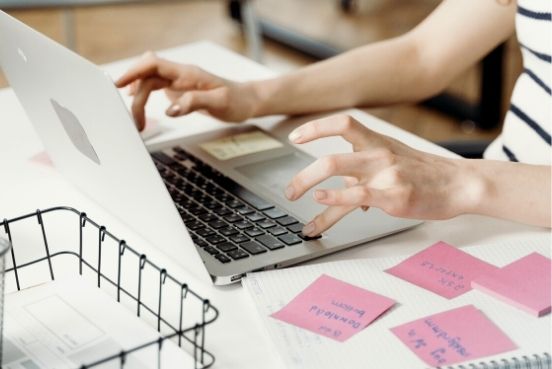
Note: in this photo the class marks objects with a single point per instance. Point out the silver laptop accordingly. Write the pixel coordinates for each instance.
(207, 203)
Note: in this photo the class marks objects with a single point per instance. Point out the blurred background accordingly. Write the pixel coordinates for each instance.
(294, 33)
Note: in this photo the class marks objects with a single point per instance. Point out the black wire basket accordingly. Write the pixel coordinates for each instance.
(94, 252)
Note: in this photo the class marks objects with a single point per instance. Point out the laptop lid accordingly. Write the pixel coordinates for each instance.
(91, 138)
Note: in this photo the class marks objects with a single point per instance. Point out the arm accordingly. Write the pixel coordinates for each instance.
(408, 183)
(408, 68)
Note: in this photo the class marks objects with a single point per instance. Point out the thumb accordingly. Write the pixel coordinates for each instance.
(191, 101)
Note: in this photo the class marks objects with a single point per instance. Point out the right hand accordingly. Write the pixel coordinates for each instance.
(189, 88)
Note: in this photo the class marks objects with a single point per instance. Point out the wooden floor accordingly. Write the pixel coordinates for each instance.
(108, 33)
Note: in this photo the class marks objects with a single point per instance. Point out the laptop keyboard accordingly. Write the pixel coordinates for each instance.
(225, 219)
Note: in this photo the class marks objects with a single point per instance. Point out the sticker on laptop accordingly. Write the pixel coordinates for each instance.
(241, 144)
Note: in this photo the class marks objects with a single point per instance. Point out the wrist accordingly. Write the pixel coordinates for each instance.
(473, 187)
(262, 96)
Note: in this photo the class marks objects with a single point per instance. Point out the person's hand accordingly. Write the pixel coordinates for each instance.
(189, 88)
(381, 172)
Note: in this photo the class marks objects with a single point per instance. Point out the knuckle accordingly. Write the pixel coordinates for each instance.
(347, 122)
(385, 156)
(329, 164)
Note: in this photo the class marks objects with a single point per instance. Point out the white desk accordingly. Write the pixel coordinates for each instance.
(237, 339)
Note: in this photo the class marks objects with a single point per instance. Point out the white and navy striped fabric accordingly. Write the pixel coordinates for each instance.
(527, 127)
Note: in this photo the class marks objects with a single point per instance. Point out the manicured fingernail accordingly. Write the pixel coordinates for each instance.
(173, 110)
(308, 229)
(290, 192)
(294, 136)
(320, 194)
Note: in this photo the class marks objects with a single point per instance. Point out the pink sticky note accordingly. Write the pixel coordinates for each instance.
(453, 336)
(442, 269)
(525, 283)
(334, 308)
(42, 158)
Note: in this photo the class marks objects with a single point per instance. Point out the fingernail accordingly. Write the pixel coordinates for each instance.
(290, 191)
(308, 229)
(364, 208)
(294, 136)
(173, 110)
(320, 194)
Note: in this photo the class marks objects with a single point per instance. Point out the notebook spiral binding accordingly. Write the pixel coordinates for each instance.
(192, 336)
(536, 361)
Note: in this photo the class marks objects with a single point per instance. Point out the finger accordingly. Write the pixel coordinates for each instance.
(320, 170)
(326, 219)
(210, 100)
(141, 98)
(350, 181)
(337, 125)
(150, 66)
(360, 195)
(133, 87)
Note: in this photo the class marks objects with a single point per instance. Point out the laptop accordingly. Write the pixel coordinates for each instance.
(213, 202)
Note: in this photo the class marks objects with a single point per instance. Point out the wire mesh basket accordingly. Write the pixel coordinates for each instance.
(88, 249)
(4, 247)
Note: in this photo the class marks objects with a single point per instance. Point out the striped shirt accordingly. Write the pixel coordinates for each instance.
(527, 127)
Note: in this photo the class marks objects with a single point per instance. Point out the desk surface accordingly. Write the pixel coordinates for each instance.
(237, 339)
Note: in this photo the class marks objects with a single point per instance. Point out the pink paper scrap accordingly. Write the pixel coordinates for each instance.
(333, 308)
(525, 284)
(442, 269)
(453, 337)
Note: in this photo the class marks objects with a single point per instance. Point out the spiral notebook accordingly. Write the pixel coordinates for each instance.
(301, 349)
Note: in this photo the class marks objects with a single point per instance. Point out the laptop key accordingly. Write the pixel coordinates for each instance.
(253, 247)
(266, 224)
(232, 203)
(244, 194)
(226, 246)
(223, 258)
(287, 220)
(239, 238)
(290, 239)
(164, 159)
(194, 225)
(201, 243)
(238, 254)
(221, 211)
(276, 231)
(211, 250)
(270, 242)
(243, 225)
(274, 213)
(208, 217)
(205, 232)
(255, 217)
(215, 240)
(232, 218)
(296, 228)
(254, 232)
(245, 210)
(217, 224)
(228, 231)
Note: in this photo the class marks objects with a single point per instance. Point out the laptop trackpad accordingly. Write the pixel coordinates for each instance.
(275, 174)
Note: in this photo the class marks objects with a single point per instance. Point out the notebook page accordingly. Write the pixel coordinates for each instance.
(299, 348)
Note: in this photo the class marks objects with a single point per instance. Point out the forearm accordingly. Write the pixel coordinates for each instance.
(377, 74)
(513, 191)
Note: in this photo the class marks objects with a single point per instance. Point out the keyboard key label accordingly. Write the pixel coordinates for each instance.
(454, 336)
(442, 269)
(231, 147)
(335, 309)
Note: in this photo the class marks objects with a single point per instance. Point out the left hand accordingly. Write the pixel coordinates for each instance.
(390, 175)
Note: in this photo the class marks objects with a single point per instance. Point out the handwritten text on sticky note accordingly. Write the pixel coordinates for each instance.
(453, 336)
(442, 269)
(334, 308)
